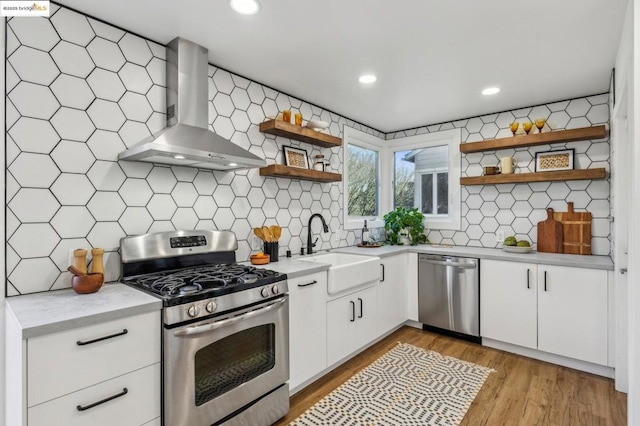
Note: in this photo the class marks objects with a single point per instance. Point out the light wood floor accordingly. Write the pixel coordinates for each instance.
(522, 391)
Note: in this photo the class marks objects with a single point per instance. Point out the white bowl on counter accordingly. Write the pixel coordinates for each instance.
(521, 250)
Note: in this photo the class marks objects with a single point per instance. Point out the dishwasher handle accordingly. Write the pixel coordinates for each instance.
(462, 265)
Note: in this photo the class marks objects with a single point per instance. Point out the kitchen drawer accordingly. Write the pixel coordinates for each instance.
(140, 405)
(308, 282)
(58, 365)
(155, 422)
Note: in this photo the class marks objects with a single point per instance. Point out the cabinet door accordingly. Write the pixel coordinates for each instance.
(351, 323)
(412, 286)
(366, 316)
(341, 326)
(392, 290)
(508, 302)
(572, 312)
(307, 327)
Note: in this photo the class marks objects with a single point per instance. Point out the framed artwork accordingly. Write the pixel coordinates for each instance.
(550, 161)
(295, 157)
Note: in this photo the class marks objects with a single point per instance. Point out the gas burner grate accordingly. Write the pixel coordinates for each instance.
(200, 279)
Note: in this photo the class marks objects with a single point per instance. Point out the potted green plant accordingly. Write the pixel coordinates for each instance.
(404, 226)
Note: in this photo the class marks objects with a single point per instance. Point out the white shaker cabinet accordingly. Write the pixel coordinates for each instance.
(556, 309)
(100, 374)
(392, 292)
(307, 327)
(351, 323)
(508, 302)
(572, 312)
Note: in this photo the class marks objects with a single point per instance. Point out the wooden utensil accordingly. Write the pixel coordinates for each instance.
(550, 234)
(76, 271)
(576, 230)
(97, 263)
(259, 233)
(80, 259)
(267, 234)
(275, 232)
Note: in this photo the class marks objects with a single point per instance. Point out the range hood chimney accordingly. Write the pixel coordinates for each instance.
(187, 140)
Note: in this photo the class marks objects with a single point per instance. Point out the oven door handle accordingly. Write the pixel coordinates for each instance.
(199, 329)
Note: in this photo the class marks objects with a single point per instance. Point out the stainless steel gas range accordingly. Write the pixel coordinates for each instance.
(225, 328)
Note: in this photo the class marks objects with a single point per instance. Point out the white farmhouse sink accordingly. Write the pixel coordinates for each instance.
(348, 271)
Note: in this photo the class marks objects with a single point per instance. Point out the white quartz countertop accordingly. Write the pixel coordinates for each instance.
(45, 313)
(575, 260)
(295, 267)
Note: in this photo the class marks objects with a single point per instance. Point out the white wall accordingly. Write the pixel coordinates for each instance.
(633, 401)
(620, 195)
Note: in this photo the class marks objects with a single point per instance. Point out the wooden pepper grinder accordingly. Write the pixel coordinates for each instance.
(97, 264)
(80, 260)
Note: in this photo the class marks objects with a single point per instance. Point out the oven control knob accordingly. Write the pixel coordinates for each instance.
(210, 307)
(193, 311)
(275, 289)
(265, 292)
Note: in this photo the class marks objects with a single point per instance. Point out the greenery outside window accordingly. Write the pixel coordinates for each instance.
(362, 179)
(363, 185)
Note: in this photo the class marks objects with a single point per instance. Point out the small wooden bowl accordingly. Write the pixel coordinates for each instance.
(85, 284)
(259, 260)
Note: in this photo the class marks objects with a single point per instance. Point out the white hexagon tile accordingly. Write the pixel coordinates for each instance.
(519, 207)
(80, 91)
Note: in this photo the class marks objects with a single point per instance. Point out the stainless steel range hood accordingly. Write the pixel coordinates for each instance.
(187, 140)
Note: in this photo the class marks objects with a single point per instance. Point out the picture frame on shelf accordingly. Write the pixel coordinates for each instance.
(551, 161)
(295, 157)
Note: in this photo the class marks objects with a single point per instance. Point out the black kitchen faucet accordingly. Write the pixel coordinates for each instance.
(311, 244)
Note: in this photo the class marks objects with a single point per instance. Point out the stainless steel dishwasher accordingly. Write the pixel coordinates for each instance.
(449, 295)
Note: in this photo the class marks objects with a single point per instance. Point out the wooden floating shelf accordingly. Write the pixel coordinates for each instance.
(584, 133)
(600, 173)
(302, 134)
(279, 170)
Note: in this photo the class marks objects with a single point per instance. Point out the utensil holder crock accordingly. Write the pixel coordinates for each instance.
(272, 250)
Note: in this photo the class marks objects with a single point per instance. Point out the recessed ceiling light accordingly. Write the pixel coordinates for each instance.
(367, 79)
(178, 157)
(490, 90)
(245, 7)
(233, 164)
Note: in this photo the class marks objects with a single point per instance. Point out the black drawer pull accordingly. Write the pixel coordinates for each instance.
(545, 280)
(118, 395)
(353, 311)
(308, 284)
(100, 339)
(361, 313)
(528, 273)
(382, 280)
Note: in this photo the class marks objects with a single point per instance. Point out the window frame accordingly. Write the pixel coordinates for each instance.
(360, 139)
(452, 138)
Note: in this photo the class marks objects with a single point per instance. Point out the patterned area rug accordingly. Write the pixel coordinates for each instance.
(406, 386)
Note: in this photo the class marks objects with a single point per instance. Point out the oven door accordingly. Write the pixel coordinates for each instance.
(216, 367)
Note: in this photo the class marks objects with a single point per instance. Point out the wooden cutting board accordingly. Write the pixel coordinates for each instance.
(550, 234)
(576, 230)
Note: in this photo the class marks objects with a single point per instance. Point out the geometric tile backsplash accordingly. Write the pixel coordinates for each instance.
(517, 208)
(80, 91)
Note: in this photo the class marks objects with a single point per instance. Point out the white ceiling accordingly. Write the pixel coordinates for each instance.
(432, 57)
